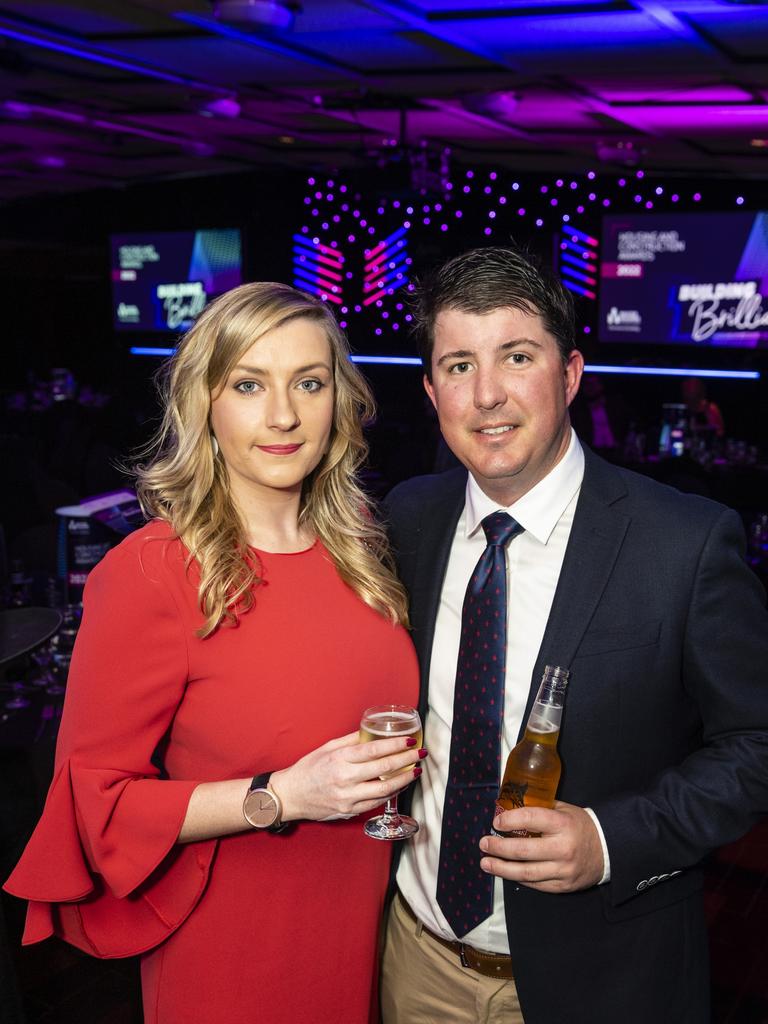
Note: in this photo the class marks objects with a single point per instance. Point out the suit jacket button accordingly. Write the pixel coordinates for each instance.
(663, 878)
(653, 880)
(642, 885)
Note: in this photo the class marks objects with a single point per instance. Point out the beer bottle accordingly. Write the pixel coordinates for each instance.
(533, 766)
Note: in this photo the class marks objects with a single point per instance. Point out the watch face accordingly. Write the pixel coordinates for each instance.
(260, 808)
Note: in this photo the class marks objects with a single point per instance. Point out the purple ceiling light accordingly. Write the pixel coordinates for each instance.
(257, 14)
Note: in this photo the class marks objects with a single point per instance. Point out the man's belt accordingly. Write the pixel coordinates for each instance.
(491, 965)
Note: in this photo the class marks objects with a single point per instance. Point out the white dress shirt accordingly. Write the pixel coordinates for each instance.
(534, 561)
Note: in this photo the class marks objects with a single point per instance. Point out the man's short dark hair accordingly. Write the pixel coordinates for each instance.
(483, 280)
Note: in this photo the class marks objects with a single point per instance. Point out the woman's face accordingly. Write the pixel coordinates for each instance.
(273, 415)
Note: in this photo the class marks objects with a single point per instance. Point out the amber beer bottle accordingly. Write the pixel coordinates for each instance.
(533, 766)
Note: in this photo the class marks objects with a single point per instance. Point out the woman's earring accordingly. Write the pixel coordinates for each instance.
(214, 445)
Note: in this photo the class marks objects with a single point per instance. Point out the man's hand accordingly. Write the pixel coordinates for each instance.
(567, 856)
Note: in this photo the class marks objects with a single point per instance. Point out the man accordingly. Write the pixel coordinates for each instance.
(643, 594)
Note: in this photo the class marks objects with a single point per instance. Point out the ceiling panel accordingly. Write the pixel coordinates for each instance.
(542, 85)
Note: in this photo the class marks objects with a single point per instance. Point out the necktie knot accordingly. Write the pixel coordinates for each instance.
(499, 527)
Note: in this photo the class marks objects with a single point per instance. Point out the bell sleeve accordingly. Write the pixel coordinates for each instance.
(103, 869)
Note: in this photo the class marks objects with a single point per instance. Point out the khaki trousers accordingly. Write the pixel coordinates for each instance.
(422, 982)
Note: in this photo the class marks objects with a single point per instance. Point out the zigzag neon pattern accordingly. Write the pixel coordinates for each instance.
(318, 268)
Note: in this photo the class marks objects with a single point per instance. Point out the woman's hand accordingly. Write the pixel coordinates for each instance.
(342, 778)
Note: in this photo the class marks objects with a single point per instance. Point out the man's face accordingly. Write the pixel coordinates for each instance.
(502, 391)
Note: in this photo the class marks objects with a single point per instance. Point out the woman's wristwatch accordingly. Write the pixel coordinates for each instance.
(262, 808)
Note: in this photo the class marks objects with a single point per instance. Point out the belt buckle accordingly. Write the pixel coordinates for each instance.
(463, 957)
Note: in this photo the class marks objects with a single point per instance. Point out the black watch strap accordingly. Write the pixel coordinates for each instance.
(262, 782)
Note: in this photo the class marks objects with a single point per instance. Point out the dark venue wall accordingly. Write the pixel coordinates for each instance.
(58, 305)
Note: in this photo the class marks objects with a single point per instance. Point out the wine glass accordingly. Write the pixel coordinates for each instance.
(383, 722)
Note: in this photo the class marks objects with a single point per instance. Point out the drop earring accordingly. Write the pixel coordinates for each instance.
(214, 445)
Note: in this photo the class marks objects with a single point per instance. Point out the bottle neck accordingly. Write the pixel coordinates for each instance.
(545, 718)
(547, 711)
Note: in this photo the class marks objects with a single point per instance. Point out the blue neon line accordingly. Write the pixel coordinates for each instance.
(308, 260)
(567, 257)
(578, 289)
(316, 254)
(98, 58)
(305, 275)
(386, 255)
(579, 249)
(388, 360)
(675, 371)
(579, 234)
(251, 39)
(383, 280)
(334, 287)
(317, 248)
(317, 269)
(395, 260)
(578, 275)
(652, 371)
(394, 236)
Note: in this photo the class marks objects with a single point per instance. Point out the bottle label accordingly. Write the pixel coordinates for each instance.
(515, 794)
(522, 833)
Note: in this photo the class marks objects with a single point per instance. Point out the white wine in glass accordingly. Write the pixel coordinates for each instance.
(385, 721)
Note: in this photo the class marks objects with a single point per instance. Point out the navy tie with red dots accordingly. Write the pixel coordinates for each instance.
(464, 891)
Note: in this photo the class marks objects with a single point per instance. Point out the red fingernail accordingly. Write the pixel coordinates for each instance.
(411, 741)
(422, 752)
(416, 772)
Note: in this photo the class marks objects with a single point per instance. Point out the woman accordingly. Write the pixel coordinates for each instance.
(239, 634)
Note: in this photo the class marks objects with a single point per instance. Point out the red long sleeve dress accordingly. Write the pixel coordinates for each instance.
(253, 927)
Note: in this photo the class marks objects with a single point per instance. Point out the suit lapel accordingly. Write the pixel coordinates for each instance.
(596, 538)
(437, 531)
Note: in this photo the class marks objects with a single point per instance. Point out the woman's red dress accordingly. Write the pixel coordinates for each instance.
(254, 927)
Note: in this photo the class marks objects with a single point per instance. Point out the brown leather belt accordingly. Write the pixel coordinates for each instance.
(491, 965)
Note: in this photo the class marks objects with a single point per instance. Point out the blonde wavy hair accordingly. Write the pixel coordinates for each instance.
(184, 483)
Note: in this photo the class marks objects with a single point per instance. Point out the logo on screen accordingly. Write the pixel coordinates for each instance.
(623, 319)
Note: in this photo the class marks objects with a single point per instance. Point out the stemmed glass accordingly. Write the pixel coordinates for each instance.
(385, 721)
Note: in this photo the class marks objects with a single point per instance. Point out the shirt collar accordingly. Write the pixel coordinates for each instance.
(540, 509)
